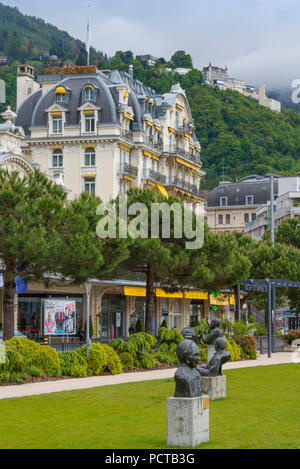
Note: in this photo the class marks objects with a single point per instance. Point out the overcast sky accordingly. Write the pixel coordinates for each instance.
(259, 40)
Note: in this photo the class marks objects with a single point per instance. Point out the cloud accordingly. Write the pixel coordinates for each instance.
(257, 39)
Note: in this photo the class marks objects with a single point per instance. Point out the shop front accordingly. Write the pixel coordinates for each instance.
(55, 316)
(111, 320)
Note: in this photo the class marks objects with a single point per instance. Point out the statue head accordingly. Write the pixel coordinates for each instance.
(215, 323)
(220, 344)
(188, 352)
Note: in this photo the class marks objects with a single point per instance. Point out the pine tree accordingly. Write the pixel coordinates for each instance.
(40, 232)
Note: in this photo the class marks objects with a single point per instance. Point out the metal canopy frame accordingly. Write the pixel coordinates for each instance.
(269, 286)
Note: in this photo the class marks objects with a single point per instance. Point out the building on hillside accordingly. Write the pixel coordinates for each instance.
(104, 132)
(287, 205)
(148, 59)
(216, 76)
(213, 73)
(182, 71)
(231, 206)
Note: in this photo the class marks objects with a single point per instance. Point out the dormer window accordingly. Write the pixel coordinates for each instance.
(223, 201)
(60, 93)
(88, 93)
(249, 200)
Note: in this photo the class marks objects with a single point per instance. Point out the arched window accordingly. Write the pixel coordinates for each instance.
(90, 157)
(57, 159)
(88, 93)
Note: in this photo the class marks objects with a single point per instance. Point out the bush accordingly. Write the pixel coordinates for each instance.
(4, 376)
(203, 349)
(146, 360)
(261, 330)
(248, 345)
(19, 378)
(114, 365)
(234, 349)
(73, 364)
(101, 358)
(291, 336)
(17, 363)
(241, 328)
(34, 371)
(97, 359)
(43, 357)
(139, 326)
(170, 337)
(127, 361)
(167, 354)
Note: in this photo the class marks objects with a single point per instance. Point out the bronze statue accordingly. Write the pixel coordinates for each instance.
(214, 367)
(214, 334)
(188, 379)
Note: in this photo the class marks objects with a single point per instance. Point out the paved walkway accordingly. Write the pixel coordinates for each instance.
(8, 392)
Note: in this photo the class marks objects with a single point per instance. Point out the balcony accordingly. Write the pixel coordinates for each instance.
(155, 176)
(176, 151)
(183, 129)
(127, 134)
(128, 170)
(186, 186)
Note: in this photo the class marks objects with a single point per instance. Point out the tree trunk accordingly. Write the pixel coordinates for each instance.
(8, 309)
(150, 301)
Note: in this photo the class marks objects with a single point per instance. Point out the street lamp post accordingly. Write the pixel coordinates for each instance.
(88, 287)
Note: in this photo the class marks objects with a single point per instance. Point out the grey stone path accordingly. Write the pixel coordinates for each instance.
(8, 392)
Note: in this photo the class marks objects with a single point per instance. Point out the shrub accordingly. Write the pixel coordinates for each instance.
(114, 365)
(241, 328)
(170, 337)
(17, 363)
(146, 360)
(43, 357)
(203, 349)
(127, 361)
(291, 336)
(261, 330)
(19, 378)
(73, 364)
(4, 376)
(234, 349)
(97, 359)
(139, 326)
(227, 326)
(139, 342)
(248, 345)
(34, 371)
(167, 354)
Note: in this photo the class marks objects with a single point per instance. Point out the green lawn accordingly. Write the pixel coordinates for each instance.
(262, 411)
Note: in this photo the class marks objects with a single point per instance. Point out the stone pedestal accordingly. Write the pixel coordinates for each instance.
(187, 421)
(210, 352)
(215, 387)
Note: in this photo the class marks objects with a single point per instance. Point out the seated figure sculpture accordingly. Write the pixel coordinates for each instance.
(188, 379)
(214, 367)
(214, 333)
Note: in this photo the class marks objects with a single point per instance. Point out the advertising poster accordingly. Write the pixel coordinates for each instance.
(60, 317)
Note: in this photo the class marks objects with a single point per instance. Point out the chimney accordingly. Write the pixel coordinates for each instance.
(131, 71)
(26, 84)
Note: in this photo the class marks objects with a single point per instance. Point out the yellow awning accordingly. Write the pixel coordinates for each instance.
(130, 178)
(60, 90)
(188, 165)
(134, 291)
(162, 294)
(124, 147)
(220, 300)
(162, 190)
(129, 116)
(196, 295)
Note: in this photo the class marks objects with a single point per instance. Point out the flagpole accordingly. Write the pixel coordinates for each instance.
(88, 38)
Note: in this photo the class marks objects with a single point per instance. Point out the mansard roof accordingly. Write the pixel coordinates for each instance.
(33, 111)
